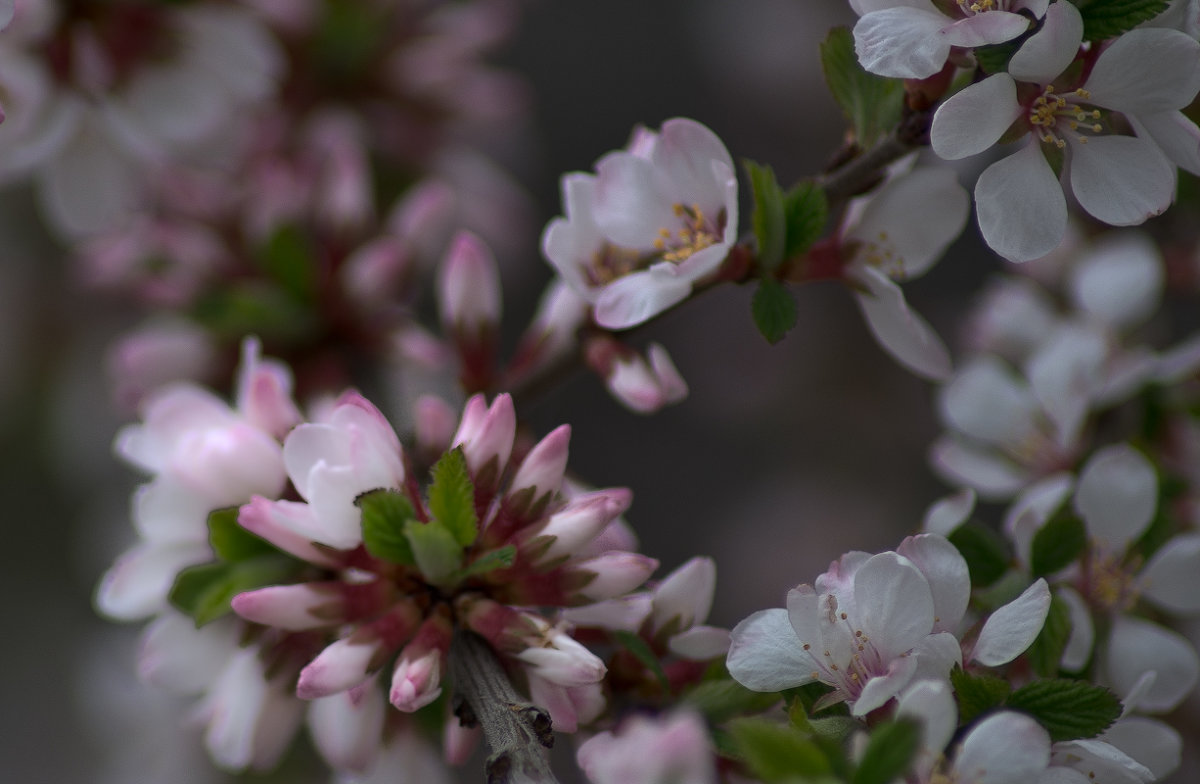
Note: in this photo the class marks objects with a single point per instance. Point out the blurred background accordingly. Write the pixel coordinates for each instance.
(781, 459)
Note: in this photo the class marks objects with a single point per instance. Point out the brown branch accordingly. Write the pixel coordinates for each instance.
(518, 732)
(862, 173)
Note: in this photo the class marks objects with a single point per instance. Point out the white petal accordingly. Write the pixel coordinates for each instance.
(1078, 650)
(1065, 374)
(1020, 206)
(182, 658)
(986, 472)
(1117, 495)
(947, 574)
(347, 727)
(1120, 180)
(903, 43)
(700, 643)
(882, 688)
(904, 334)
(931, 703)
(1120, 282)
(630, 204)
(1030, 511)
(1014, 627)
(945, 515)
(994, 27)
(1137, 646)
(638, 297)
(1131, 74)
(988, 402)
(1175, 134)
(973, 119)
(1172, 577)
(893, 603)
(138, 583)
(1050, 50)
(1004, 748)
(1153, 743)
(764, 654)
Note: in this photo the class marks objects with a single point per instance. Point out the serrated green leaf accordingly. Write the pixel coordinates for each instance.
(452, 497)
(985, 551)
(385, 512)
(724, 699)
(777, 752)
(871, 103)
(230, 541)
(1104, 19)
(1068, 709)
(806, 210)
(977, 694)
(438, 554)
(1047, 650)
(643, 653)
(1056, 544)
(890, 750)
(774, 309)
(769, 218)
(994, 59)
(205, 591)
(500, 558)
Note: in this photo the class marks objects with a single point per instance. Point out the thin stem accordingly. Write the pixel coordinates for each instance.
(518, 732)
(861, 173)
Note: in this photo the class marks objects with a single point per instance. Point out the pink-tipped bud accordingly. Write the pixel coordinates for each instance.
(292, 607)
(568, 706)
(416, 681)
(554, 329)
(612, 574)
(347, 728)
(469, 289)
(433, 424)
(685, 596)
(424, 217)
(646, 385)
(486, 437)
(577, 524)
(375, 273)
(560, 659)
(264, 392)
(343, 186)
(541, 473)
(288, 525)
(349, 661)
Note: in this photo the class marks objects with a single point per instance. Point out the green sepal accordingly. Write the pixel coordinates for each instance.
(1068, 709)
(1056, 544)
(642, 652)
(984, 550)
(438, 554)
(205, 591)
(1046, 651)
(253, 307)
(977, 694)
(500, 558)
(452, 497)
(777, 752)
(1104, 19)
(721, 700)
(774, 309)
(385, 512)
(871, 103)
(769, 217)
(890, 750)
(230, 541)
(806, 211)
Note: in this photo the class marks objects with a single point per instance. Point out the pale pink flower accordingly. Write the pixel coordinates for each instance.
(646, 384)
(645, 750)
(650, 223)
(1120, 180)
(912, 39)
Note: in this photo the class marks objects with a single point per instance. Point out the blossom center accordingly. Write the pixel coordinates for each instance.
(1054, 116)
(880, 253)
(612, 262)
(696, 233)
(972, 7)
(1111, 581)
(847, 660)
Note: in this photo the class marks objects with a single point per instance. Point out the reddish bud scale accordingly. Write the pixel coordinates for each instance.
(503, 627)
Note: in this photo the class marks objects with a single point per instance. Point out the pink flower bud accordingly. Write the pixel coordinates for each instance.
(542, 470)
(349, 661)
(469, 288)
(292, 607)
(486, 436)
(374, 273)
(264, 392)
(424, 217)
(646, 386)
(416, 681)
(615, 573)
(343, 183)
(575, 525)
(685, 595)
(347, 728)
(568, 706)
(648, 751)
(560, 659)
(290, 526)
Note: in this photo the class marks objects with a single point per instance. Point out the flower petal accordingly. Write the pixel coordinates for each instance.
(1117, 495)
(1172, 577)
(1120, 180)
(902, 43)
(1051, 49)
(1137, 646)
(975, 118)
(905, 335)
(1020, 206)
(765, 655)
(1130, 74)
(1014, 627)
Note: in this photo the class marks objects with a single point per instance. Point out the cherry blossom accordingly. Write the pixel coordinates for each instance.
(646, 750)
(654, 219)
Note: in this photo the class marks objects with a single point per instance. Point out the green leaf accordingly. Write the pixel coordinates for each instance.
(500, 558)
(769, 218)
(384, 515)
(890, 750)
(806, 211)
(777, 752)
(871, 103)
(1103, 19)
(255, 307)
(1068, 709)
(288, 258)
(642, 652)
(977, 694)
(438, 554)
(452, 497)
(204, 591)
(722, 700)
(994, 59)
(985, 551)
(1047, 650)
(1057, 543)
(230, 541)
(774, 309)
